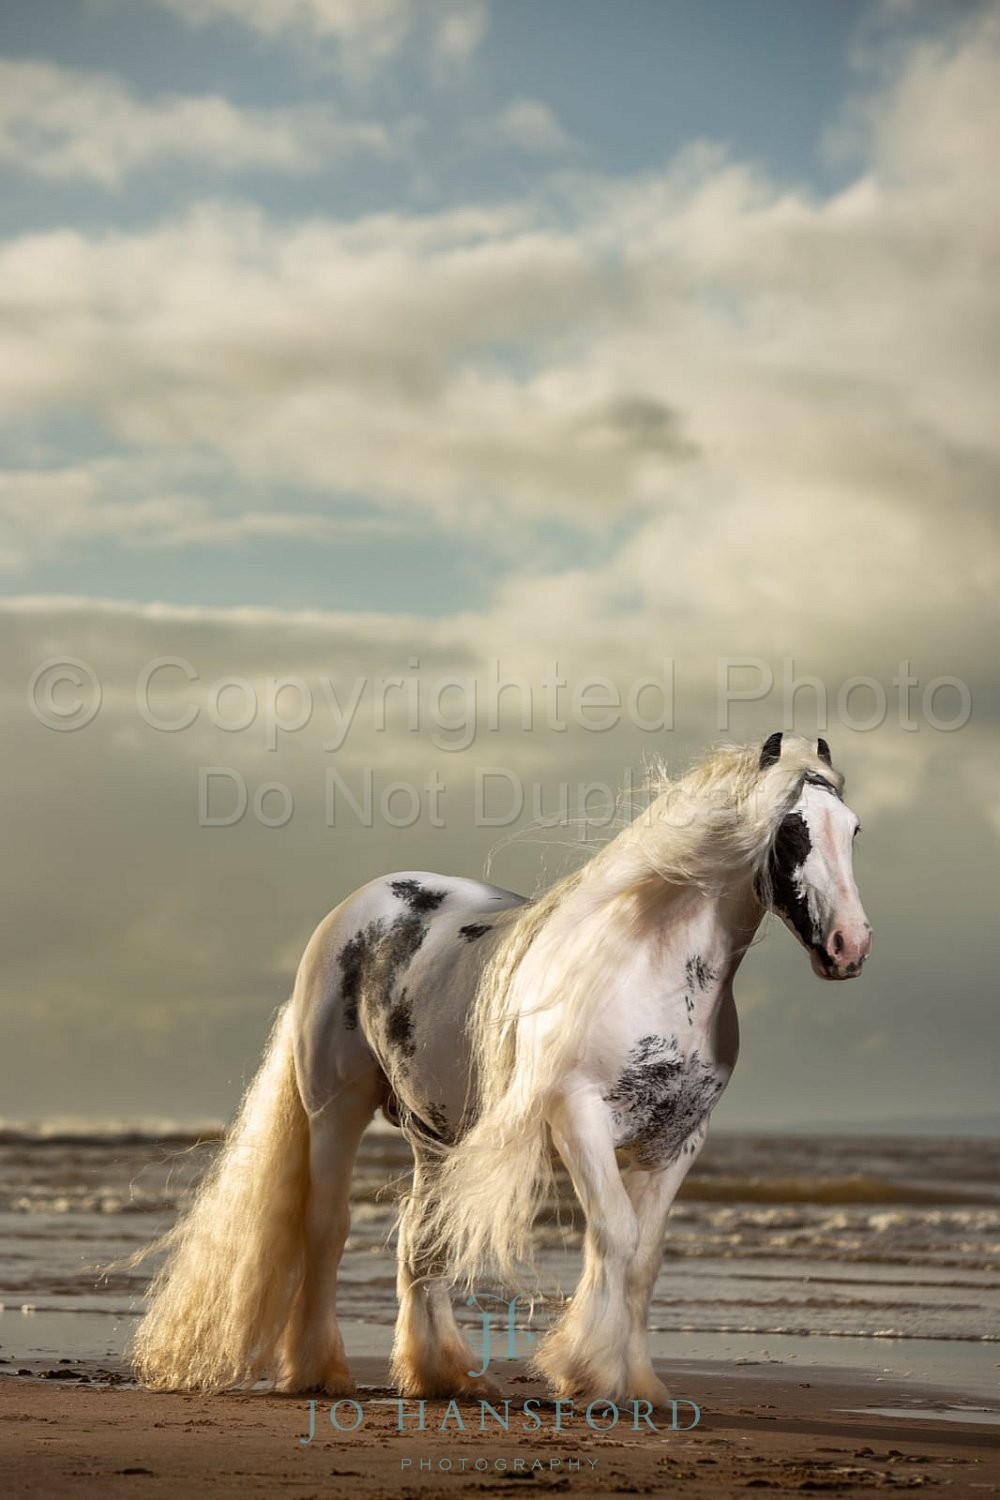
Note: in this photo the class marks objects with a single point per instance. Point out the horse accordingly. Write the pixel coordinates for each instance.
(597, 1019)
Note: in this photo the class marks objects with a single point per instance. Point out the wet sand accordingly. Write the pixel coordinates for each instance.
(759, 1429)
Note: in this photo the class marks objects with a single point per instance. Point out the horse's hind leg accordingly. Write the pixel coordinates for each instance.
(313, 1353)
(429, 1355)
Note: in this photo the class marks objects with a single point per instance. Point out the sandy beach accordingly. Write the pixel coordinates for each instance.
(77, 1437)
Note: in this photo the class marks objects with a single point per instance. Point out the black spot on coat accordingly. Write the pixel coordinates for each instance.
(661, 1098)
(372, 961)
(436, 1117)
(698, 974)
(474, 930)
(417, 897)
(399, 1028)
(353, 958)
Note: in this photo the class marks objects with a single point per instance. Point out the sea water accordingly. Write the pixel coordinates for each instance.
(873, 1254)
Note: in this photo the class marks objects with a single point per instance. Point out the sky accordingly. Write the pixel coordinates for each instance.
(360, 355)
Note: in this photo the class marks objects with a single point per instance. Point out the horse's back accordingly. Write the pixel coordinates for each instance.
(384, 987)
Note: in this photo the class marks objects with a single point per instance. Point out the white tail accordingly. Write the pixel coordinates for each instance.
(219, 1306)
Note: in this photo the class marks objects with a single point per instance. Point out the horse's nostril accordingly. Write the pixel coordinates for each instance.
(838, 943)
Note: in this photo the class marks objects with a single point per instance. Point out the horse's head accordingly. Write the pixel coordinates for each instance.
(810, 867)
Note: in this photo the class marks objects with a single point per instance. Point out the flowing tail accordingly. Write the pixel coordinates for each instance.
(219, 1305)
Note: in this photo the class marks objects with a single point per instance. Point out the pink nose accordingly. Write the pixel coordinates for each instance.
(849, 946)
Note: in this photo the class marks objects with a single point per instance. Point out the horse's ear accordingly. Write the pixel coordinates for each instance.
(770, 751)
(823, 751)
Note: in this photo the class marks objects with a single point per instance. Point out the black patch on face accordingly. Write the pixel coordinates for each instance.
(473, 931)
(823, 751)
(770, 751)
(789, 854)
(417, 897)
(792, 845)
(661, 1098)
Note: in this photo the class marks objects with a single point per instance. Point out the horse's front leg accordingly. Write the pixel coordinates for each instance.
(586, 1353)
(652, 1194)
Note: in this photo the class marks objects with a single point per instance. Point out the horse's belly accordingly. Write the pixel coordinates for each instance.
(660, 1097)
(430, 1073)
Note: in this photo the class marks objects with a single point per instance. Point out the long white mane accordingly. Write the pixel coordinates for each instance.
(559, 958)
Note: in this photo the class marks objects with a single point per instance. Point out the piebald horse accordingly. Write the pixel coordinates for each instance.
(598, 1019)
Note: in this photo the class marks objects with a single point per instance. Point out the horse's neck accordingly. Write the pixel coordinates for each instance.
(737, 913)
(611, 925)
(712, 930)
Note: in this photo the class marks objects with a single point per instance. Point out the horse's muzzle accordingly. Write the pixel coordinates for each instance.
(843, 954)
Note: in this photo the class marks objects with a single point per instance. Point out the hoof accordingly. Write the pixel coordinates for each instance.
(332, 1383)
(653, 1390)
(449, 1390)
(481, 1386)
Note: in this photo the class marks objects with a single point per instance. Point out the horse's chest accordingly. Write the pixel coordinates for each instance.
(662, 1094)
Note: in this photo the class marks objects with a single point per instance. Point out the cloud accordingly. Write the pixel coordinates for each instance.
(62, 123)
(765, 419)
(755, 404)
(459, 30)
(378, 25)
(366, 34)
(363, 357)
(933, 100)
(525, 125)
(138, 504)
